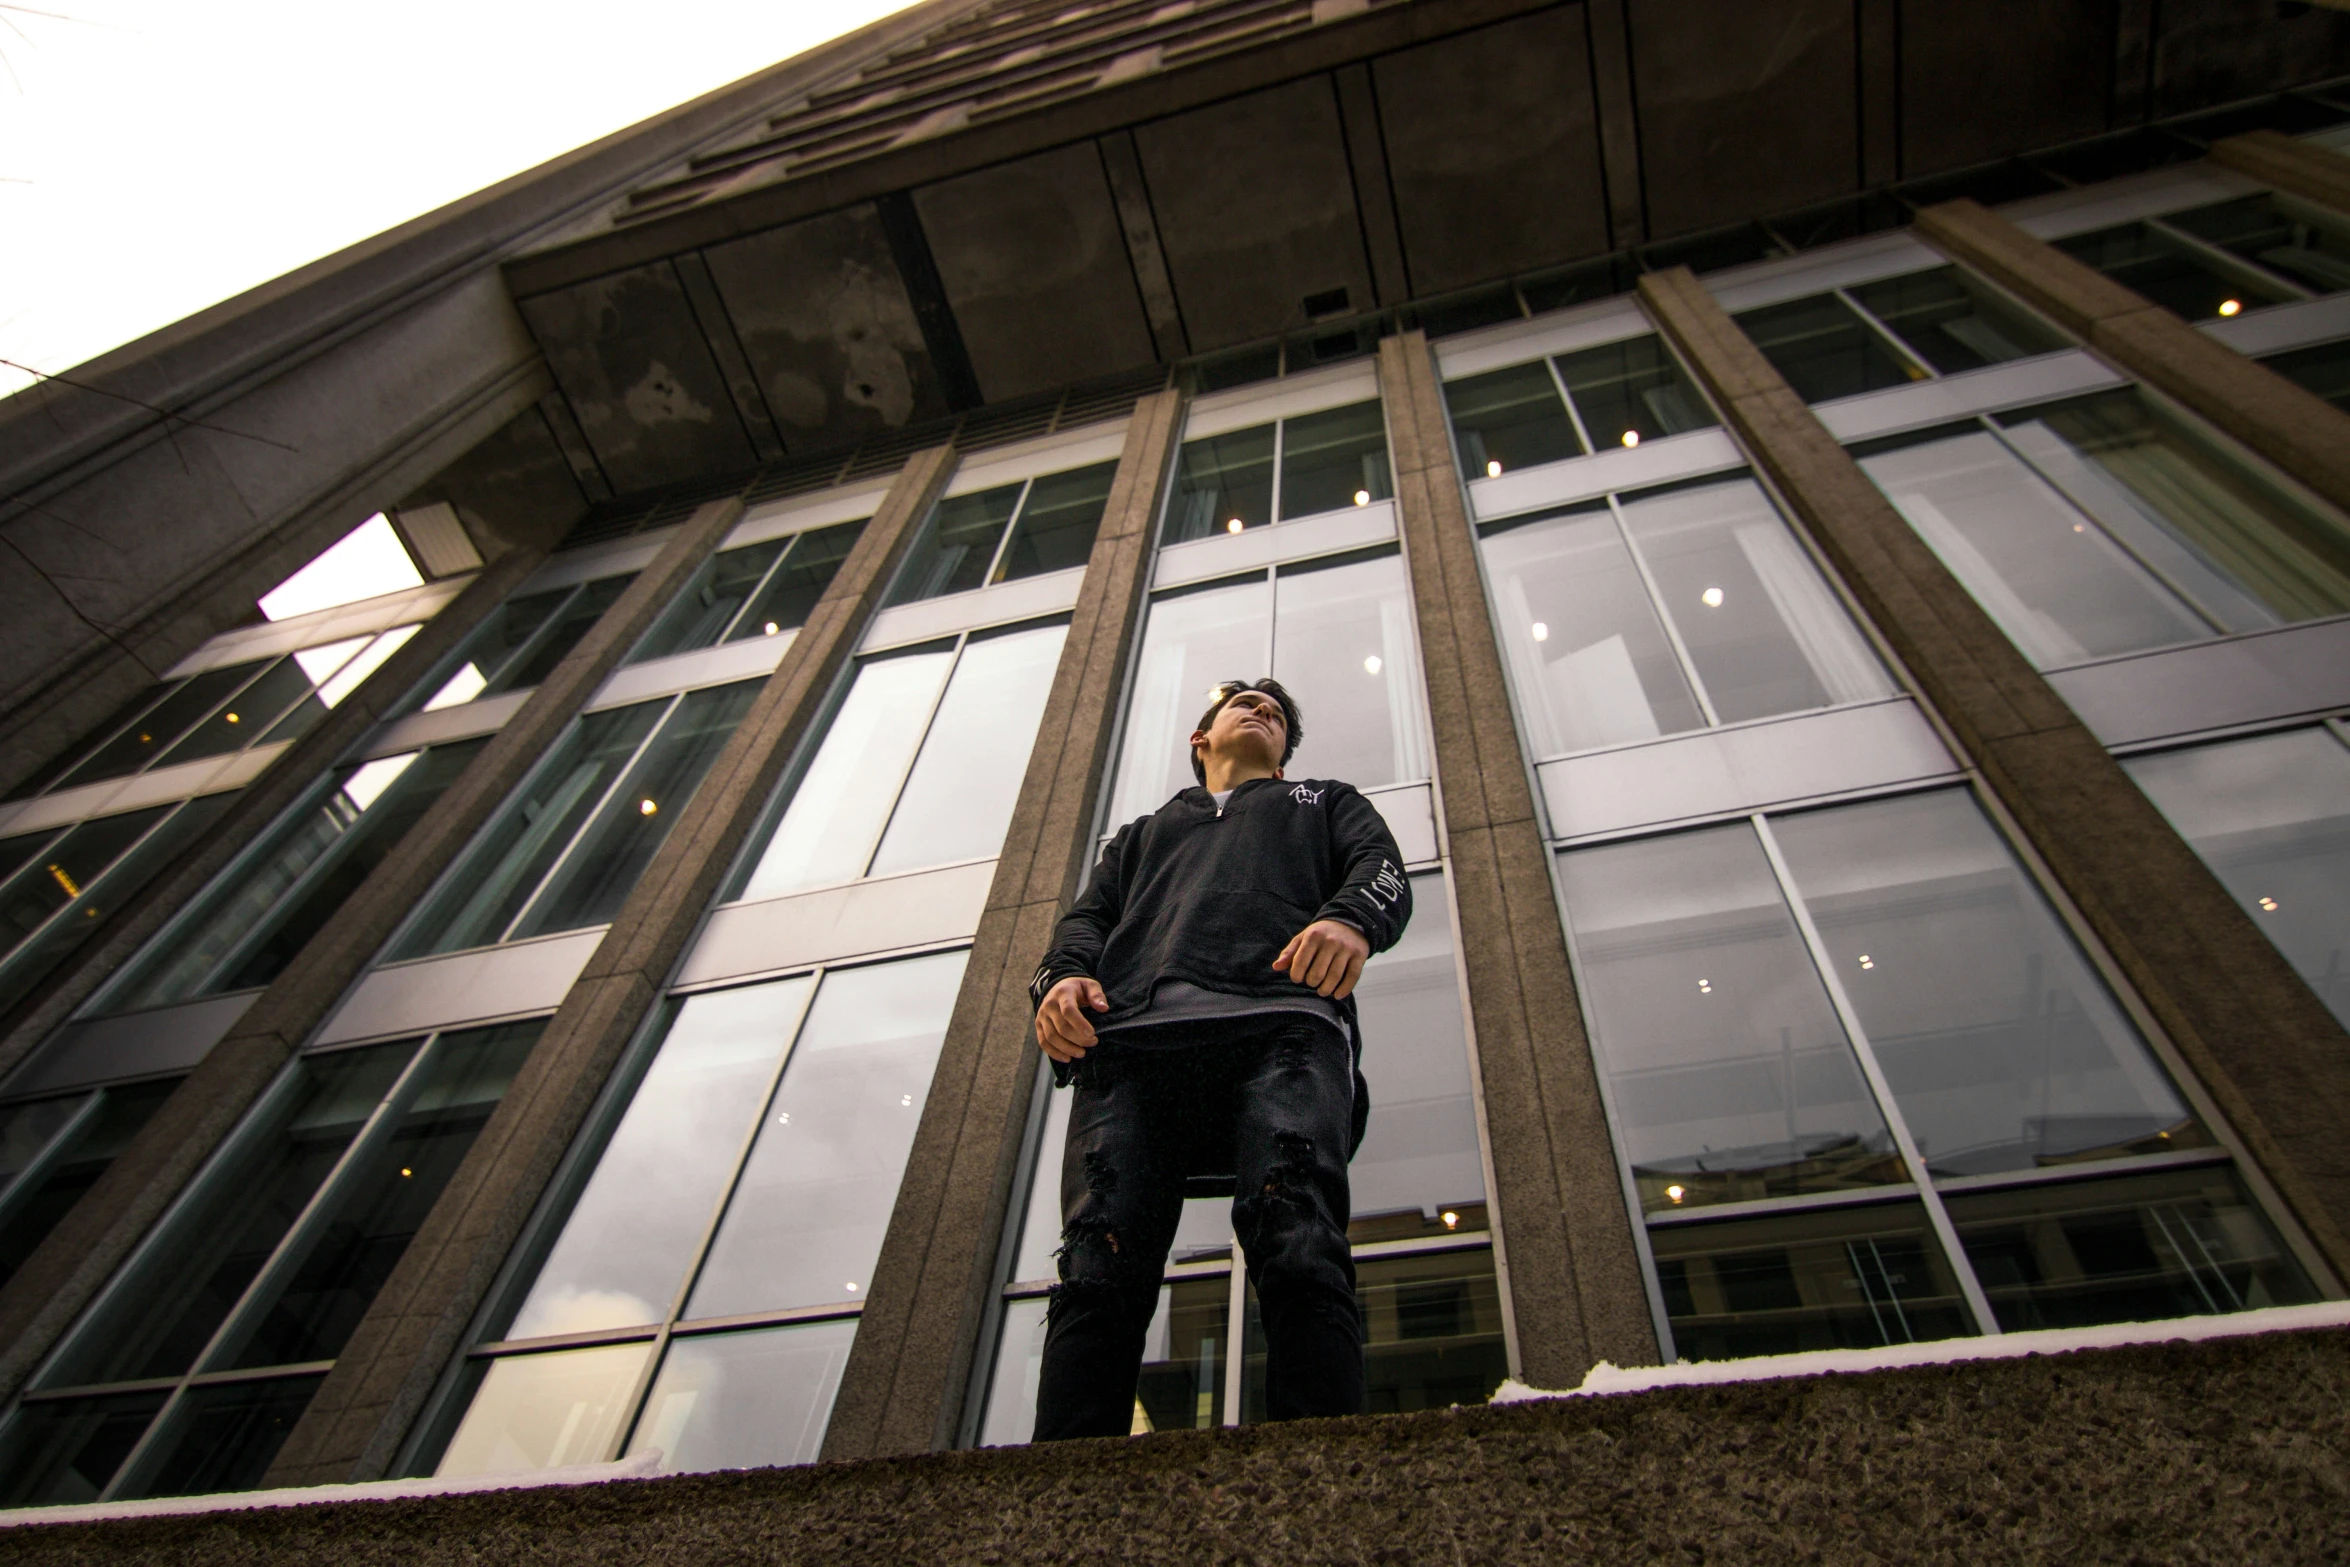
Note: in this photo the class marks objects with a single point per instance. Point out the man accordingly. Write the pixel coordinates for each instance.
(1217, 950)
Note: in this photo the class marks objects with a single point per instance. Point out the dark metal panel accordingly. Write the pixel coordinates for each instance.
(1984, 80)
(1036, 272)
(1256, 210)
(2219, 50)
(742, 383)
(1366, 156)
(1123, 166)
(1492, 147)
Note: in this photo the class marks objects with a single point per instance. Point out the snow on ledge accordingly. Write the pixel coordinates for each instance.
(1607, 1378)
(637, 1466)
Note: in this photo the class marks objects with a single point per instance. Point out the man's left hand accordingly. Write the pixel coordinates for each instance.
(1328, 955)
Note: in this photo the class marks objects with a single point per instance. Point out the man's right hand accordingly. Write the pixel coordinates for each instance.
(1062, 1031)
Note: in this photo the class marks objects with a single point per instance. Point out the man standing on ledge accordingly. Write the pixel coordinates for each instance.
(1218, 947)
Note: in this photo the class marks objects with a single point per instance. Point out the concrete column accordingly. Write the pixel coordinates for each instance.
(354, 1427)
(41, 1301)
(2296, 167)
(1566, 1235)
(257, 807)
(910, 1370)
(2259, 1039)
(2292, 427)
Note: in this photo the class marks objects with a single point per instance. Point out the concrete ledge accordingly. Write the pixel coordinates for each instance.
(2234, 1450)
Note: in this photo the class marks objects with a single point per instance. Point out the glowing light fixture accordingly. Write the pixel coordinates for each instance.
(1362, 497)
(1712, 598)
(1676, 1192)
(1493, 468)
(1705, 987)
(1631, 437)
(2269, 904)
(646, 807)
(773, 628)
(1372, 665)
(2228, 307)
(231, 717)
(1541, 632)
(1234, 526)
(1452, 1220)
(1867, 962)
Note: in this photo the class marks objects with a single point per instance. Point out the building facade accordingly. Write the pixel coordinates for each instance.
(1840, 588)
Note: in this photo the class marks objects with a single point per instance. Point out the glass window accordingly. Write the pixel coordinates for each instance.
(1836, 1278)
(701, 615)
(69, 1162)
(2271, 817)
(547, 1411)
(56, 767)
(1334, 459)
(745, 1400)
(159, 728)
(1825, 350)
(1731, 1077)
(336, 679)
(2173, 272)
(2174, 1243)
(224, 1437)
(245, 929)
(957, 546)
(1223, 483)
(2305, 243)
(1418, 1171)
(1014, 530)
(1431, 1334)
(1057, 523)
(564, 631)
(67, 1450)
(2324, 370)
(1633, 391)
(569, 845)
(960, 757)
(1181, 1387)
(1328, 461)
(795, 584)
(520, 644)
(1952, 321)
(1509, 419)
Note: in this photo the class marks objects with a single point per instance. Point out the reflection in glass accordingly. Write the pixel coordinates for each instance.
(546, 1411)
(41, 777)
(1182, 1383)
(33, 1212)
(15, 851)
(66, 1451)
(242, 719)
(1204, 1231)
(1223, 483)
(344, 678)
(633, 1231)
(1345, 646)
(1731, 1076)
(573, 622)
(1590, 660)
(1509, 419)
(956, 546)
(62, 872)
(794, 587)
(2304, 242)
(805, 1222)
(2271, 817)
(958, 799)
(508, 630)
(1431, 1334)
(1630, 392)
(2324, 370)
(1191, 641)
(2174, 1243)
(2001, 1046)
(1835, 1278)
(160, 727)
(701, 613)
(1766, 634)
(224, 1437)
(603, 866)
(1418, 1171)
(745, 1400)
(1057, 522)
(1953, 322)
(2174, 274)
(26, 1130)
(826, 834)
(1333, 459)
(1824, 350)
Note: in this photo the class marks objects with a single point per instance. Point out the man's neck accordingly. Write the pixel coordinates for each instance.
(1231, 775)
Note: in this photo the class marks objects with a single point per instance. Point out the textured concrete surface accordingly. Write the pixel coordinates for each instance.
(2234, 1451)
(2257, 1037)
(2302, 168)
(364, 1410)
(1565, 1236)
(907, 1375)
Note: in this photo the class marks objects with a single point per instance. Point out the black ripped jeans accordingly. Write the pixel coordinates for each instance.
(1269, 1099)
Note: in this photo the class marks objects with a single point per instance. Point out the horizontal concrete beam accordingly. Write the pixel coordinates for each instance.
(2297, 167)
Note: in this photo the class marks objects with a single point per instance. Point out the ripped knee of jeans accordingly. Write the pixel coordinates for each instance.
(1288, 1184)
(1096, 1266)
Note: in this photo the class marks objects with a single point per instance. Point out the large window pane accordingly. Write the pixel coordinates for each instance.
(1344, 645)
(1058, 522)
(1953, 322)
(546, 1411)
(574, 621)
(634, 1230)
(508, 858)
(805, 1222)
(745, 1400)
(41, 777)
(1190, 642)
(701, 614)
(338, 680)
(1590, 660)
(487, 652)
(2324, 370)
(1631, 392)
(1431, 1334)
(1223, 483)
(603, 867)
(1181, 1387)
(2177, 1243)
(1333, 459)
(159, 728)
(959, 798)
(956, 546)
(1418, 1171)
(224, 1438)
(826, 833)
(2306, 243)
(241, 720)
(2170, 272)
(1509, 419)
(2271, 817)
(58, 876)
(1732, 1078)
(66, 1451)
(33, 1212)
(1842, 1278)
(1766, 634)
(2001, 1046)
(791, 593)
(1824, 350)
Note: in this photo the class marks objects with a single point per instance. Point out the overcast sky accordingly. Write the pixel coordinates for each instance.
(158, 156)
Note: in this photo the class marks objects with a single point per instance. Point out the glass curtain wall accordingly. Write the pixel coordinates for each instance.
(758, 590)
(1301, 466)
(1014, 530)
(1598, 399)
(695, 1286)
(1892, 332)
(2213, 262)
(191, 1367)
(53, 1150)
(521, 643)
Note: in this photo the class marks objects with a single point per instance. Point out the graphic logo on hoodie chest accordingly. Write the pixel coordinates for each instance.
(1304, 796)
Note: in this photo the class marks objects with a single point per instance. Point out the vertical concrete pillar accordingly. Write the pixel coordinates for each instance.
(2262, 1043)
(2296, 167)
(2289, 425)
(257, 807)
(44, 1296)
(354, 1427)
(1574, 1271)
(910, 1370)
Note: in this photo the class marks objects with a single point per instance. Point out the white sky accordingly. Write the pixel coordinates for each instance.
(158, 156)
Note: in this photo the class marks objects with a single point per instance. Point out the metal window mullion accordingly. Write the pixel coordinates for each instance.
(309, 877)
(1664, 613)
(52, 1153)
(1893, 339)
(2238, 269)
(89, 748)
(633, 1410)
(530, 644)
(587, 823)
(906, 776)
(759, 588)
(1574, 414)
(1945, 1233)
(1273, 508)
(1003, 543)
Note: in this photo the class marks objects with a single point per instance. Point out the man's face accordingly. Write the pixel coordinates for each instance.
(1248, 728)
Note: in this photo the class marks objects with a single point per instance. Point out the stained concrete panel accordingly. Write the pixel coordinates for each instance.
(1493, 151)
(1035, 268)
(1983, 80)
(2219, 50)
(514, 489)
(1256, 211)
(1744, 108)
(824, 319)
(631, 359)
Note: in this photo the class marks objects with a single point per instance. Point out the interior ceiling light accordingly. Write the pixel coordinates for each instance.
(1631, 437)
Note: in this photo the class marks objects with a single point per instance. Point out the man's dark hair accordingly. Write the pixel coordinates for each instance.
(1291, 718)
